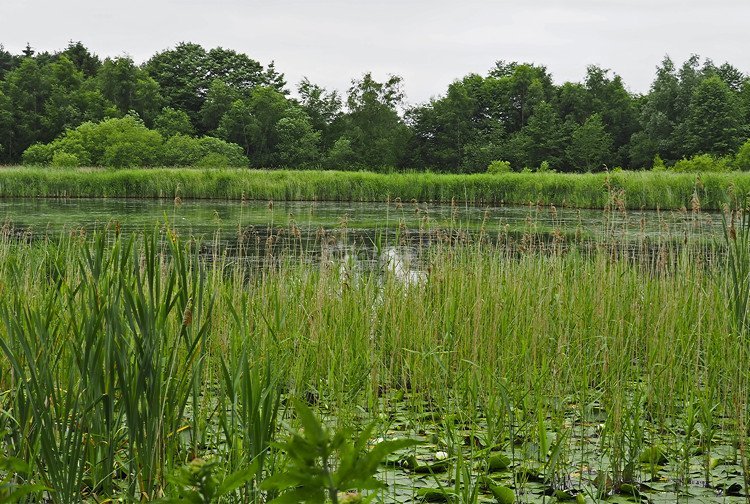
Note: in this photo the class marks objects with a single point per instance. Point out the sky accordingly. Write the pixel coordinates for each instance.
(430, 43)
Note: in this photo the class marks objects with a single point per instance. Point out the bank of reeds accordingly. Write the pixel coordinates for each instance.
(649, 190)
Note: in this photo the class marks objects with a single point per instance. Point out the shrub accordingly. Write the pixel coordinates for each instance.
(214, 160)
(658, 164)
(126, 142)
(38, 155)
(544, 167)
(181, 150)
(64, 159)
(232, 152)
(496, 167)
(742, 160)
(702, 163)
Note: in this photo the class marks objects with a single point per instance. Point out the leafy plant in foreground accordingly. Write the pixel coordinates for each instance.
(323, 463)
(199, 482)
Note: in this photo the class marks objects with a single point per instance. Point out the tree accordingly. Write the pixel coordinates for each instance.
(443, 128)
(240, 126)
(714, 122)
(742, 160)
(590, 145)
(171, 122)
(26, 88)
(186, 72)
(514, 89)
(297, 140)
(130, 88)
(341, 156)
(182, 75)
(378, 135)
(219, 100)
(321, 106)
(608, 97)
(85, 62)
(7, 62)
(547, 137)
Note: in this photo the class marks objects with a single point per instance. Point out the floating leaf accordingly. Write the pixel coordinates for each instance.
(503, 494)
(498, 462)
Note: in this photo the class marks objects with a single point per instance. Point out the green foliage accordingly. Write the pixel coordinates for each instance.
(322, 463)
(341, 156)
(38, 155)
(201, 482)
(11, 491)
(713, 123)
(497, 167)
(702, 163)
(65, 160)
(544, 167)
(658, 164)
(182, 150)
(171, 122)
(514, 112)
(297, 140)
(742, 160)
(590, 145)
(127, 143)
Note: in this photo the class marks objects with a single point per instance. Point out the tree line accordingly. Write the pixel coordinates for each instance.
(220, 106)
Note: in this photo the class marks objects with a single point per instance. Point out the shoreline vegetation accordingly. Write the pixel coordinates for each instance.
(631, 190)
(148, 356)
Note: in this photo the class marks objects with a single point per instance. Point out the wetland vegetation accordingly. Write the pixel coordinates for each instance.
(636, 190)
(495, 366)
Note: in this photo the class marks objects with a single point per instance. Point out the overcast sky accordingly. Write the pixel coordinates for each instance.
(428, 42)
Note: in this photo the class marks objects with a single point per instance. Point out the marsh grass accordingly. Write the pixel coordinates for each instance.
(649, 190)
(592, 370)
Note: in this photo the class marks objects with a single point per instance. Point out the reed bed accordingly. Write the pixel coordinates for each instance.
(127, 357)
(649, 190)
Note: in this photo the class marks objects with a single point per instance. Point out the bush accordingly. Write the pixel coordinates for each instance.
(496, 167)
(658, 164)
(742, 160)
(702, 163)
(127, 143)
(233, 153)
(214, 160)
(64, 159)
(38, 155)
(181, 150)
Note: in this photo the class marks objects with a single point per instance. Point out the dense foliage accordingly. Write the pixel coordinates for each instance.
(514, 113)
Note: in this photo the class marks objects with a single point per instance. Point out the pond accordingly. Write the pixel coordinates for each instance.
(360, 221)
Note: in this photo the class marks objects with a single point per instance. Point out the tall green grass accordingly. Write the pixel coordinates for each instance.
(127, 357)
(649, 190)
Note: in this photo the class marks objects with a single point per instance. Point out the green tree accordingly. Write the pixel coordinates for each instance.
(377, 133)
(341, 156)
(240, 126)
(590, 145)
(84, 60)
(252, 122)
(130, 88)
(186, 72)
(547, 137)
(26, 88)
(7, 62)
(219, 100)
(742, 160)
(322, 107)
(297, 140)
(714, 121)
(171, 122)
(617, 107)
(445, 127)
